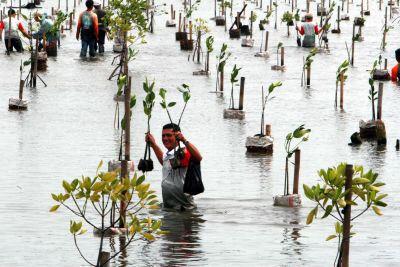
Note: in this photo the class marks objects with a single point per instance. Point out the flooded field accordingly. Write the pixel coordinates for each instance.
(68, 129)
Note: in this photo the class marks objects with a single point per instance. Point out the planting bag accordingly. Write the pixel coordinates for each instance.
(193, 184)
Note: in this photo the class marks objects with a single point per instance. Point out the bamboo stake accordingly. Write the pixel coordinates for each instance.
(296, 171)
(347, 217)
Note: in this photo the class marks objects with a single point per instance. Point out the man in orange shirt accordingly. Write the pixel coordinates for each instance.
(395, 70)
(88, 28)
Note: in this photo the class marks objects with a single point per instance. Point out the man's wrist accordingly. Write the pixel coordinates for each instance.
(186, 142)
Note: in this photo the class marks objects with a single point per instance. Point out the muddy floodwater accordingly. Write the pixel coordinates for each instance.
(68, 128)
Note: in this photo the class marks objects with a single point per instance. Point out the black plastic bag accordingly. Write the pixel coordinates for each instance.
(193, 184)
(146, 164)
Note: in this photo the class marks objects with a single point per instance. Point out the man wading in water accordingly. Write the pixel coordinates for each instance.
(12, 32)
(88, 28)
(175, 165)
(309, 30)
(102, 27)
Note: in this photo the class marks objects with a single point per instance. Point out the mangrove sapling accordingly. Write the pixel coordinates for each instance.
(185, 90)
(307, 67)
(146, 164)
(265, 100)
(90, 198)
(326, 26)
(288, 18)
(380, 74)
(201, 28)
(275, 4)
(19, 103)
(222, 58)
(301, 134)
(209, 46)
(266, 19)
(342, 189)
(282, 65)
(128, 19)
(249, 42)
(341, 77)
(234, 80)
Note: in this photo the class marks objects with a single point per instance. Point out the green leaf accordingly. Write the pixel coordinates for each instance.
(140, 180)
(54, 196)
(54, 208)
(171, 104)
(308, 192)
(328, 211)
(310, 216)
(377, 210)
(66, 186)
(330, 237)
(338, 228)
(382, 196)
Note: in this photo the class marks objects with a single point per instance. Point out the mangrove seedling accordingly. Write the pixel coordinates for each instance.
(234, 80)
(200, 28)
(326, 26)
(192, 7)
(128, 19)
(307, 67)
(210, 48)
(301, 134)
(341, 77)
(146, 164)
(343, 188)
(221, 58)
(277, 52)
(265, 100)
(385, 30)
(372, 93)
(89, 198)
(288, 18)
(185, 90)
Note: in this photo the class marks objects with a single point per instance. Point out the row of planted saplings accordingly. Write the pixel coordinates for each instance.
(37, 60)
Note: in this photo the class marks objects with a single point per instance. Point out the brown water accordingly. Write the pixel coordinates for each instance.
(68, 129)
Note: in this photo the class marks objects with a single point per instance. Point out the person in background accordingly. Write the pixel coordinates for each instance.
(173, 174)
(102, 27)
(309, 30)
(395, 70)
(11, 36)
(88, 29)
(45, 29)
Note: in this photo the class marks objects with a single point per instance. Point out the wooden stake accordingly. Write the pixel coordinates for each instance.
(266, 41)
(268, 129)
(308, 6)
(251, 25)
(380, 4)
(385, 65)
(44, 41)
(296, 171)
(198, 46)
(308, 75)
(352, 45)
(241, 95)
(70, 22)
(380, 98)
(347, 217)
(341, 77)
(190, 30)
(221, 80)
(172, 12)
(179, 23)
(338, 18)
(282, 56)
(21, 88)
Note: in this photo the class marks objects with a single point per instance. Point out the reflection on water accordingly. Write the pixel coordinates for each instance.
(182, 244)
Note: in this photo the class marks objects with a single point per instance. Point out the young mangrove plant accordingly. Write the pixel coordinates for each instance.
(288, 18)
(306, 74)
(265, 99)
(146, 164)
(128, 19)
(341, 77)
(210, 48)
(234, 80)
(343, 188)
(222, 57)
(326, 26)
(185, 90)
(372, 93)
(89, 199)
(200, 28)
(301, 134)
(277, 52)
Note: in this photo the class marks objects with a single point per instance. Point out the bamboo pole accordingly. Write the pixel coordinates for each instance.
(266, 41)
(341, 77)
(352, 45)
(241, 95)
(282, 56)
(296, 171)
(380, 98)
